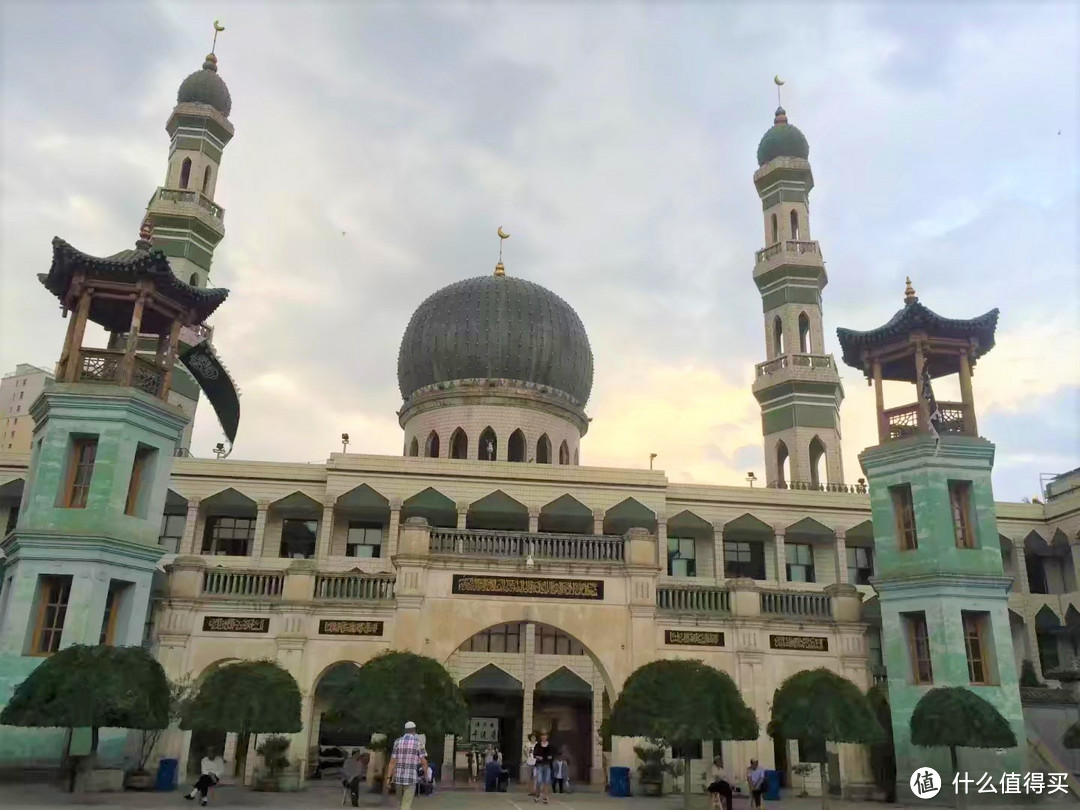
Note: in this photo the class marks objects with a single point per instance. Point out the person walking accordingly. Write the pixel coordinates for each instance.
(529, 759)
(558, 774)
(352, 775)
(471, 757)
(492, 774)
(544, 753)
(755, 779)
(407, 757)
(210, 770)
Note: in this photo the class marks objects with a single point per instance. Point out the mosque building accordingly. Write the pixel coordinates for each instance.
(490, 544)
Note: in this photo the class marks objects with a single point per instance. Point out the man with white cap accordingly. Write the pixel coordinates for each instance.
(407, 757)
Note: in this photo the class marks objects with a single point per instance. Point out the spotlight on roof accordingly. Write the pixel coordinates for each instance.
(751, 477)
(344, 441)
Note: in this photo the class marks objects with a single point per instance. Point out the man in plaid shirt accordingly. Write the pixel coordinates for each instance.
(407, 757)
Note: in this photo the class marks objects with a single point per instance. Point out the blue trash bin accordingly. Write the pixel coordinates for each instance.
(166, 774)
(772, 786)
(620, 782)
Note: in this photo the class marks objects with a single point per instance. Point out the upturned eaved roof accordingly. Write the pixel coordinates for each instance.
(127, 266)
(915, 317)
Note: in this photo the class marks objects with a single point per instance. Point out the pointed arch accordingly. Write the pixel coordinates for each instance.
(777, 336)
(194, 280)
(783, 466)
(185, 173)
(489, 445)
(818, 467)
(564, 453)
(515, 446)
(775, 234)
(414, 447)
(459, 444)
(543, 450)
(577, 457)
(804, 333)
(566, 514)
(497, 510)
(431, 446)
(206, 180)
(433, 506)
(794, 224)
(629, 514)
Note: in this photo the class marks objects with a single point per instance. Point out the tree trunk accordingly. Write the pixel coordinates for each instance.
(686, 783)
(67, 765)
(958, 802)
(242, 741)
(823, 768)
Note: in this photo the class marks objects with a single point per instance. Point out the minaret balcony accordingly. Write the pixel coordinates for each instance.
(187, 198)
(786, 361)
(790, 247)
(105, 366)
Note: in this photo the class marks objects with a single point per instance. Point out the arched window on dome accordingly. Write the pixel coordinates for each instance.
(489, 445)
(804, 333)
(543, 450)
(515, 446)
(775, 230)
(778, 336)
(206, 180)
(431, 446)
(194, 280)
(783, 466)
(185, 173)
(414, 447)
(818, 476)
(795, 225)
(459, 444)
(564, 453)
(576, 457)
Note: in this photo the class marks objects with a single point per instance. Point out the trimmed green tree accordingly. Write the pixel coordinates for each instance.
(92, 687)
(248, 697)
(956, 717)
(818, 706)
(680, 703)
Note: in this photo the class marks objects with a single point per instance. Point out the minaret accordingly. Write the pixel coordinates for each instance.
(188, 224)
(939, 577)
(798, 386)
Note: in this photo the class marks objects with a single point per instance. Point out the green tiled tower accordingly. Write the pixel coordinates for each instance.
(798, 386)
(939, 574)
(78, 567)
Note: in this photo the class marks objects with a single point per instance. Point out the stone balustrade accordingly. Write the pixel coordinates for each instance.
(813, 361)
(192, 197)
(355, 586)
(796, 246)
(521, 545)
(796, 603)
(259, 584)
(712, 600)
(817, 486)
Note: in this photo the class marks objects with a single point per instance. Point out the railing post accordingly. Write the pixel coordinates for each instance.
(393, 528)
(745, 598)
(598, 521)
(845, 602)
(186, 577)
(299, 585)
(534, 520)
(462, 514)
(256, 550)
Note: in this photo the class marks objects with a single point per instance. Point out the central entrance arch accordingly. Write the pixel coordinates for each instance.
(525, 676)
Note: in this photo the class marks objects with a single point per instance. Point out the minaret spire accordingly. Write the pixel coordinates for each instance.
(500, 270)
(218, 28)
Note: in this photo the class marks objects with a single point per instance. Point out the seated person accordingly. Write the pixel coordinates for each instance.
(492, 774)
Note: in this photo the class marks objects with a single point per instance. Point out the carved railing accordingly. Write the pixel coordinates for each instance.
(355, 587)
(147, 376)
(903, 421)
(815, 486)
(789, 246)
(103, 365)
(693, 599)
(795, 246)
(793, 361)
(193, 197)
(259, 584)
(769, 252)
(796, 603)
(520, 545)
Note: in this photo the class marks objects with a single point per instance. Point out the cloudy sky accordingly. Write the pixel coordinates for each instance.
(378, 146)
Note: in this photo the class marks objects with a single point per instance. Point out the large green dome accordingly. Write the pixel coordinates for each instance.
(782, 140)
(496, 327)
(206, 87)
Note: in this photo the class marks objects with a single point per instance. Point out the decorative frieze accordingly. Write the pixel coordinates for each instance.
(344, 627)
(800, 643)
(236, 624)
(694, 638)
(532, 587)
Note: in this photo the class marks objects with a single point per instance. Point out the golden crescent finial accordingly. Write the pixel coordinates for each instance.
(502, 234)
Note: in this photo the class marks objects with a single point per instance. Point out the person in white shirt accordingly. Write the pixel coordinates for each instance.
(530, 761)
(210, 769)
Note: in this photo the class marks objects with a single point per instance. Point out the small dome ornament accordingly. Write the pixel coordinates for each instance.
(146, 234)
(909, 293)
(500, 268)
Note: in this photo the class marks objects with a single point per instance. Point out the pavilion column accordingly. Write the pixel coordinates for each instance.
(879, 397)
(169, 359)
(781, 554)
(596, 770)
(392, 530)
(263, 507)
(128, 374)
(718, 551)
(326, 530)
(74, 361)
(534, 520)
(971, 428)
(229, 753)
(597, 521)
(1021, 566)
(528, 687)
(187, 542)
(462, 514)
(841, 556)
(661, 544)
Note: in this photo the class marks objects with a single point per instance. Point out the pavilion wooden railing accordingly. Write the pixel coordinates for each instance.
(520, 545)
(793, 361)
(355, 586)
(262, 584)
(694, 599)
(796, 603)
(104, 365)
(903, 421)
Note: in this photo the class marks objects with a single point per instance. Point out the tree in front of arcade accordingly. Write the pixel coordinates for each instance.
(678, 704)
(818, 706)
(245, 698)
(955, 717)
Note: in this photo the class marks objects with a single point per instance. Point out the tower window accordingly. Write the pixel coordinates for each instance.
(53, 596)
(298, 538)
(489, 445)
(459, 444)
(185, 173)
(804, 333)
(431, 446)
(744, 559)
(783, 465)
(515, 446)
(975, 635)
(960, 504)
(113, 603)
(922, 670)
(775, 230)
(364, 540)
(564, 453)
(860, 565)
(543, 450)
(414, 447)
(778, 336)
(80, 472)
(817, 454)
(800, 562)
(194, 280)
(904, 514)
(142, 472)
(231, 536)
(795, 225)
(681, 557)
(206, 180)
